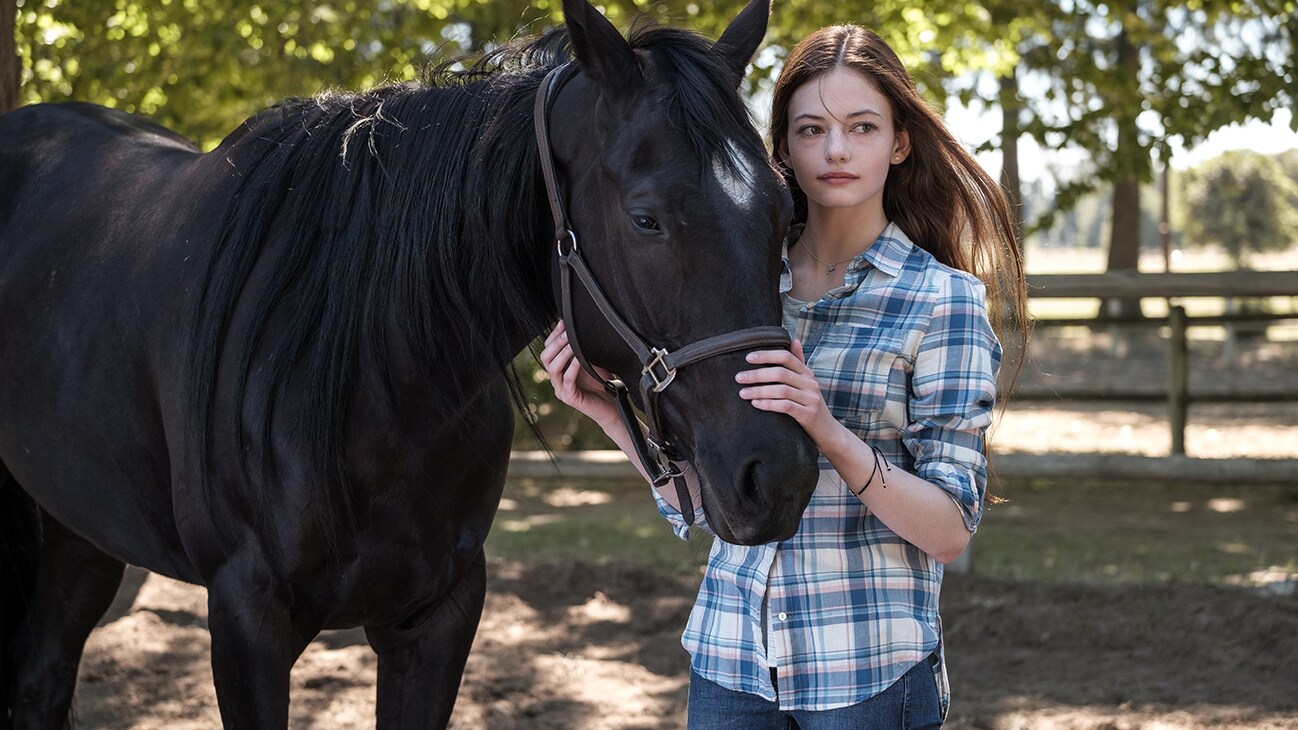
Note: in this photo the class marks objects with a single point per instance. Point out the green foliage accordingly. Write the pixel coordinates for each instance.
(1195, 69)
(1241, 201)
(202, 67)
(1123, 80)
(1288, 161)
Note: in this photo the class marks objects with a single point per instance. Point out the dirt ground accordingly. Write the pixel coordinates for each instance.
(586, 644)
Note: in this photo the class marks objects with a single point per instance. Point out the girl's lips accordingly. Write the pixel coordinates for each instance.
(837, 177)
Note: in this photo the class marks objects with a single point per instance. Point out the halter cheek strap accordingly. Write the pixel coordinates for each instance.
(658, 455)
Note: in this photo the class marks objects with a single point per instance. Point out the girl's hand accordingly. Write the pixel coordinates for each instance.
(787, 385)
(572, 384)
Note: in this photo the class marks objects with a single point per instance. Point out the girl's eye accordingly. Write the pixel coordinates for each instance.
(808, 130)
(865, 127)
(645, 223)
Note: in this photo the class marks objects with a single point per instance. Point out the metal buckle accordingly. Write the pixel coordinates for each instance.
(669, 471)
(660, 383)
(568, 235)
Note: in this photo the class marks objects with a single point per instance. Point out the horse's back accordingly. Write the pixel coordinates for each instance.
(94, 214)
(52, 123)
(70, 166)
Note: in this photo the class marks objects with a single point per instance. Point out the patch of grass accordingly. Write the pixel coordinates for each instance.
(1092, 533)
(595, 522)
(1139, 533)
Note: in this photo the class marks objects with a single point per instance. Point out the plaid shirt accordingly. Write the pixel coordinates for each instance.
(906, 359)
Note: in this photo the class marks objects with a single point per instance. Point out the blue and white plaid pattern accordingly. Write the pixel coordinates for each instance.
(907, 359)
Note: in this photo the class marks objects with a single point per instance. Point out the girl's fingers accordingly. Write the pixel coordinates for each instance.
(557, 361)
(795, 347)
(774, 392)
(775, 357)
(557, 338)
(572, 372)
(767, 375)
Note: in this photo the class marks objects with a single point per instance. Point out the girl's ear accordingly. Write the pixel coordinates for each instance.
(901, 148)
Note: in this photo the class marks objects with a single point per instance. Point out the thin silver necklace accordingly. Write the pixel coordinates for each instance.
(829, 268)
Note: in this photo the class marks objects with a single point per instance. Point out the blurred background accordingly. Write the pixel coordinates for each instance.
(1143, 568)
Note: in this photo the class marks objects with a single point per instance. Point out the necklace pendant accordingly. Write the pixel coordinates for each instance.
(831, 268)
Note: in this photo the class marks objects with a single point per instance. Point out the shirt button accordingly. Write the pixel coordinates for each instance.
(782, 616)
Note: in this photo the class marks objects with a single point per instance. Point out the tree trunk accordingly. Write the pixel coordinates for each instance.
(9, 66)
(1124, 244)
(1010, 133)
(1124, 233)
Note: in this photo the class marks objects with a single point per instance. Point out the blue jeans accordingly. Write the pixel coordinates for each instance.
(911, 703)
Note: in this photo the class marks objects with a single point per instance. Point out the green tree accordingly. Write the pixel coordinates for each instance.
(203, 66)
(1241, 201)
(1001, 32)
(1289, 163)
(1125, 79)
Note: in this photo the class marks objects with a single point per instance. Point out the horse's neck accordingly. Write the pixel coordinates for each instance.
(485, 295)
(467, 355)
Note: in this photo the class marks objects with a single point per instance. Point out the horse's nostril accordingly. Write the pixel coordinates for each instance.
(750, 479)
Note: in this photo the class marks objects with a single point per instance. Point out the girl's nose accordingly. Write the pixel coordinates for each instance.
(835, 147)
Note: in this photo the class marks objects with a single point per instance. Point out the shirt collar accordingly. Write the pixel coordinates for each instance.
(889, 251)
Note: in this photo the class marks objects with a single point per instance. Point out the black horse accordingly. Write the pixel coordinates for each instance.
(279, 369)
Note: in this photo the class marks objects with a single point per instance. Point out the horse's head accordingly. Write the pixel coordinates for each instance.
(680, 218)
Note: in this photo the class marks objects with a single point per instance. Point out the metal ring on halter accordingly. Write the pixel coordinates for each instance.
(569, 235)
(669, 471)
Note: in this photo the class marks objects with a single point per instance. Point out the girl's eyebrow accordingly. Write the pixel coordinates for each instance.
(817, 118)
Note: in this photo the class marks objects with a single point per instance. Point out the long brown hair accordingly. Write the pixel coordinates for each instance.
(939, 195)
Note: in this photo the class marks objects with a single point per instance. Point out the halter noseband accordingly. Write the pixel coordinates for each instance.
(657, 454)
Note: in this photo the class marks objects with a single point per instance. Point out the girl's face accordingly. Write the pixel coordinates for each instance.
(841, 140)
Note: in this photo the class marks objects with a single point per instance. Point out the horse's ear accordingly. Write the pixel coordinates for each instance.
(601, 50)
(739, 43)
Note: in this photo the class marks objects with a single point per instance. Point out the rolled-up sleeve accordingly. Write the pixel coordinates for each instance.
(953, 391)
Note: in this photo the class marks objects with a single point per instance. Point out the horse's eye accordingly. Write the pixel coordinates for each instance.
(645, 223)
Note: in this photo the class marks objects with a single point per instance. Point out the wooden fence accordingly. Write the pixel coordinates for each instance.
(1173, 287)
(1178, 468)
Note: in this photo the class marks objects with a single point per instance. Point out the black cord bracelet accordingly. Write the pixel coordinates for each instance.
(881, 466)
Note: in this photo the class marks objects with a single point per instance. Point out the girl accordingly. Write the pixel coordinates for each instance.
(897, 235)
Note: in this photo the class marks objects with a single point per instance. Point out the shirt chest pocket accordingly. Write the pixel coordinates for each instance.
(864, 374)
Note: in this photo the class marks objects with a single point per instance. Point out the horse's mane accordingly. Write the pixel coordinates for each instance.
(394, 213)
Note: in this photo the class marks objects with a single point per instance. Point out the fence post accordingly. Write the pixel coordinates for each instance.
(1178, 372)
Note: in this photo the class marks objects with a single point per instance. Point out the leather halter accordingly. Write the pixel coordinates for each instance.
(656, 453)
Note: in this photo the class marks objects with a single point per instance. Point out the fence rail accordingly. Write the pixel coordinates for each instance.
(1121, 284)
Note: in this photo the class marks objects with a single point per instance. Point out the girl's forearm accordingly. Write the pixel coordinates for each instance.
(917, 510)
